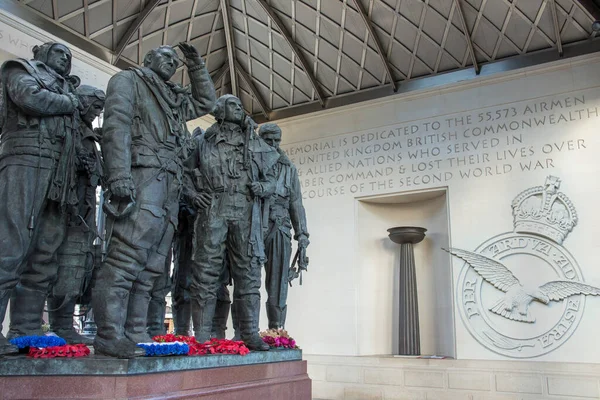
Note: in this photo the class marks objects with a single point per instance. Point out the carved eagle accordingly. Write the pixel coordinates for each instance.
(515, 304)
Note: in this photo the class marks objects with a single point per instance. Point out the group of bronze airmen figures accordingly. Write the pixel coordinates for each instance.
(221, 203)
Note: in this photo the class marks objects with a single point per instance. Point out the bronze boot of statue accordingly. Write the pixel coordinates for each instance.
(156, 317)
(5, 346)
(110, 338)
(182, 315)
(203, 312)
(246, 309)
(219, 325)
(60, 315)
(26, 313)
(137, 318)
(236, 324)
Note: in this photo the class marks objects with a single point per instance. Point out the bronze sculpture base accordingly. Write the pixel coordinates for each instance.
(276, 374)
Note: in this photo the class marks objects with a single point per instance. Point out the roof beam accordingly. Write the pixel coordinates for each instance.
(75, 13)
(290, 41)
(188, 35)
(135, 25)
(112, 26)
(371, 31)
(591, 6)
(55, 10)
(430, 82)
(463, 23)
(230, 45)
(556, 27)
(220, 73)
(248, 80)
(165, 32)
(86, 19)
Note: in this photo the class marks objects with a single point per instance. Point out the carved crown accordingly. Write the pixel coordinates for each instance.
(544, 211)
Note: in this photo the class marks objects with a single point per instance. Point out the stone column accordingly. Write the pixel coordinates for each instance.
(408, 334)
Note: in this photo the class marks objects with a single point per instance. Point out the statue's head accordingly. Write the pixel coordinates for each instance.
(271, 134)
(92, 102)
(163, 61)
(55, 55)
(229, 108)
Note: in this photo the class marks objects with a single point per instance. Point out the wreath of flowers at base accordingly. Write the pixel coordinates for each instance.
(165, 349)
(23, 342)
(212, 346)
(278, 338)
(219, 346)
(68, 350)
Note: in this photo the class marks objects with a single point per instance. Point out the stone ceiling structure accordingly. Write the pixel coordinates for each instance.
(290, 57)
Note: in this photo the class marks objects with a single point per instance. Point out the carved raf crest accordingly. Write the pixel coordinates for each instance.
(531, 284)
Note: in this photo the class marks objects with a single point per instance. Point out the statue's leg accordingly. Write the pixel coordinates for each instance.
(182, 316)
(182, 252)
(278, 250)
(161, 254)
(223, 304)
(75, 264)
(110, 296)
(139, 302)
(157, 309)
(146, 285)
(158, 304)
(182, 306)
(15, 219)
(272, 278)
(29, 297)
(245, 271)
(5, 346)
(26, 309)
(210, 232)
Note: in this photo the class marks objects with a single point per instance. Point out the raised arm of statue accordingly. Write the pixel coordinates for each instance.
(118, 120)
(203, 93)
(25, 91)
(203, 89)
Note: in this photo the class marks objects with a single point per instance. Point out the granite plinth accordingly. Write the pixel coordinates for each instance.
(102, 365)
(278, 374)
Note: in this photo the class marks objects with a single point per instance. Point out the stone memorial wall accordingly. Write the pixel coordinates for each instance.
(484, 143)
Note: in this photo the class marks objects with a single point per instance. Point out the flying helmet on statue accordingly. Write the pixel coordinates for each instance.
(88, 95)
(40, 53)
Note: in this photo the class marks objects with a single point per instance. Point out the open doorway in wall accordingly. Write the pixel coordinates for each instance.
(378, 271)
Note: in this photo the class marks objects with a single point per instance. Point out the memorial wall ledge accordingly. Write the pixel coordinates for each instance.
(390, 361)
(388, 377)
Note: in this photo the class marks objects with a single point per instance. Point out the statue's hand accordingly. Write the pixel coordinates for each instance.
(192, 58)
(74, 100)
(123, 188)
(257, 189)
(98, 133)
(249, 122)
(202, 201)
(303, 241)
(89, 162)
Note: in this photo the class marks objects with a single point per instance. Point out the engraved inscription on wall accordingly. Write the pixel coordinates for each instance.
(509, 139)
